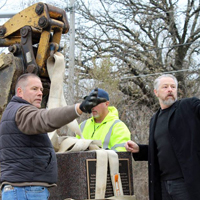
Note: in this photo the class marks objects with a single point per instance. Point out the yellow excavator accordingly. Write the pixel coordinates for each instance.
(32, 35)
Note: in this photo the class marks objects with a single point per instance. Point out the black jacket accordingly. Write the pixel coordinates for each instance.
(184, 130)
(24, 158)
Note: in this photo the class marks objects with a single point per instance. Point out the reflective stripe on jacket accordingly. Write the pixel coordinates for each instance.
(111, 131)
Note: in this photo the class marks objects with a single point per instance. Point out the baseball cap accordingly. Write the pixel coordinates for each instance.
(103, 94)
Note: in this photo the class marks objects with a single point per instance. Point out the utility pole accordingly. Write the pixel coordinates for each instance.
(71, 54)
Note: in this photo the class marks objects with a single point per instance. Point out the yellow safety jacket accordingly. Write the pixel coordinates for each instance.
(111, 131)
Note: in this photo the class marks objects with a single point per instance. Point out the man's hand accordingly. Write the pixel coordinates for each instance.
(91, 101)
(101, 100)
(132, 147)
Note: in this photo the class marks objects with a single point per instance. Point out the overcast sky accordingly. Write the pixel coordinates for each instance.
(16, 5)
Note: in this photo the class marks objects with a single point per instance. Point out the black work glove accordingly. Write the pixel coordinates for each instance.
(91, 101)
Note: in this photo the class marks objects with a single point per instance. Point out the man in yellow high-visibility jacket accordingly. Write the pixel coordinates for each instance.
(106, 126)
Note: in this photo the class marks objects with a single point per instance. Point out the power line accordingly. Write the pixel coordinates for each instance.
(172, 46)
(159, 73)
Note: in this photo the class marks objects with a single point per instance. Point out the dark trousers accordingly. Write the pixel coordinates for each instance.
(174, 190)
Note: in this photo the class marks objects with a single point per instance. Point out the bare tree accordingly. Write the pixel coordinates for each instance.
(142, 38)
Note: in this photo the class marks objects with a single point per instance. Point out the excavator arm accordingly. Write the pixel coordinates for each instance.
(33, 33)
(31, 36)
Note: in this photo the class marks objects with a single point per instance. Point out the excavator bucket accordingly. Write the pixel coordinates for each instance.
(10, 69)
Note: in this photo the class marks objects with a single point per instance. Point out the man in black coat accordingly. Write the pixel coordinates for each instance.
(173, 152)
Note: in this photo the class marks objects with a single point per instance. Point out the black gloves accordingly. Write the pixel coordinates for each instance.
(91, 101)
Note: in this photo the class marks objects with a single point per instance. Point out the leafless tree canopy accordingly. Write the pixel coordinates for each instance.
(123, 45)
(141, 38)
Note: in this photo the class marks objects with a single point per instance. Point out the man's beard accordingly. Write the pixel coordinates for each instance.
(169, 102)
(95, 116)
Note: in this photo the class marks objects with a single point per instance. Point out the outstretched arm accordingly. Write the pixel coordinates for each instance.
(132, 147)
(140, 151)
